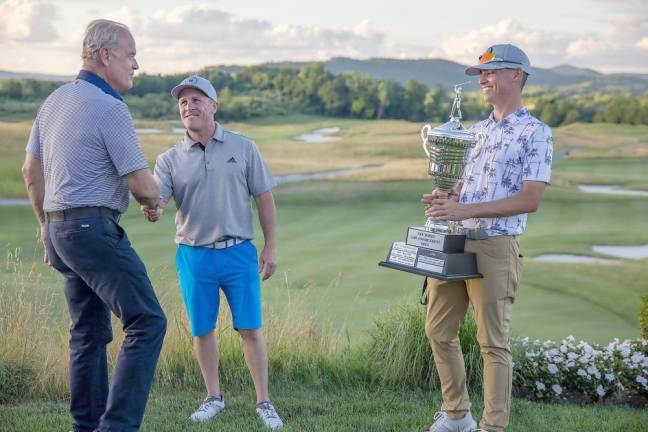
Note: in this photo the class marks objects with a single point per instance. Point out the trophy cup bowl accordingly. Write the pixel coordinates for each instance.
(437, 249)
(445, 147)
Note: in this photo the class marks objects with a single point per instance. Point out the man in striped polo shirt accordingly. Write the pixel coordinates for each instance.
(82, 159)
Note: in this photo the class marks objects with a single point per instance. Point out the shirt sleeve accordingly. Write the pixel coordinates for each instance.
(34, 143)
(538, 156)
(120, 140)
(163, 178)
(259, 178)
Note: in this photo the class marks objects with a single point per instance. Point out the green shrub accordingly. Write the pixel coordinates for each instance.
(643, 317)
(400, 354)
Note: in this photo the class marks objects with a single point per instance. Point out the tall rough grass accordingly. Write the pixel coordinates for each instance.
(299, 352)
(31, 349)
(401, 355)
(34, 343)
(302, 350)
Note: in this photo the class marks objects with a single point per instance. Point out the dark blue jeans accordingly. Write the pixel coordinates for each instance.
(103, 273)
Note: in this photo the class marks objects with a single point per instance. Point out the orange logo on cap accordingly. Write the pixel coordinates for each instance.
(489, 55)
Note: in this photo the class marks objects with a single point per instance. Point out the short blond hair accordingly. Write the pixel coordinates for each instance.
(101, 33)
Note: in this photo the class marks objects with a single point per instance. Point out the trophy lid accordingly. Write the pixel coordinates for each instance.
(453, 128)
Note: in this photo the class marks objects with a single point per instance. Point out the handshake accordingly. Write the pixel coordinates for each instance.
(153, 214)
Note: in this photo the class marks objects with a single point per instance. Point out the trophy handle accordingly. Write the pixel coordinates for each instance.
(424, 134)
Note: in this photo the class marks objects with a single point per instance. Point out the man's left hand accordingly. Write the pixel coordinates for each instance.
(268, 261)
(448, 209)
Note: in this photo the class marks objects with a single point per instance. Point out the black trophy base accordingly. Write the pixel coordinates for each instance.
(432, 263)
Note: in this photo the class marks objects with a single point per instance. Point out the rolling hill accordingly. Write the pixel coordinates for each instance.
(433, 72)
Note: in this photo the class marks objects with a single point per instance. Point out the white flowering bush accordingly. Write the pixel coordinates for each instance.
(581, 372)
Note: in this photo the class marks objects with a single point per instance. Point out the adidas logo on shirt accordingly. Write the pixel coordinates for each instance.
(231, 160)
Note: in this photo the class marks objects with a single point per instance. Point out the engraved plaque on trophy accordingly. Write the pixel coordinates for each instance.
(436, 250)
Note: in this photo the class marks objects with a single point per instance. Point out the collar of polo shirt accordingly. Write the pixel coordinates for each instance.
(219, 134)
(515, 117)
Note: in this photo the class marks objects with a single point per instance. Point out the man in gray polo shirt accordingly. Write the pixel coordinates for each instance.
(211, 175)
(82, 159)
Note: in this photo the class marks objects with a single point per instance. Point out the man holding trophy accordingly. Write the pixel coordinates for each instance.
(505, 172)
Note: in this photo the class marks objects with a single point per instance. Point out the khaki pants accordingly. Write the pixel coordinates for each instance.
(492, 298)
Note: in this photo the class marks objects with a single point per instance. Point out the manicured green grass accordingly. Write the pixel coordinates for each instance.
(363, 143)
(348, 409)
(631, 173)
(393, 144)
(332, 235)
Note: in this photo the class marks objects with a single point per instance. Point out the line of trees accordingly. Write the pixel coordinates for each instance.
(311, 89)
(597, 109)
(264, 90)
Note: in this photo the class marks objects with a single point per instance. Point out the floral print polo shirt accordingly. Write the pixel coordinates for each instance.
(506, 153)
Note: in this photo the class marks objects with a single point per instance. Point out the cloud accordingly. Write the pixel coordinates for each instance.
(586, 47)
(543, 47)
(613, 48)
(192, 36)
(637, 5)
(642, 44)
(618, 46)
(126, 15)
(27, 21)
(189, 37)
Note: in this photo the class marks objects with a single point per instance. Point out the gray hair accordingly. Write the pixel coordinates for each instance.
(100, 33)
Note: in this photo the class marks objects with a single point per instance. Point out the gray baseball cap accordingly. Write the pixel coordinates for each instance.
(503, 56)
(197, 82)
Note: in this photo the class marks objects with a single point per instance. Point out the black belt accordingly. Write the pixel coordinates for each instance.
(81, 213)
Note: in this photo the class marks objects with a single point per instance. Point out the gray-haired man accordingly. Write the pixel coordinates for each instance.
(82, 159)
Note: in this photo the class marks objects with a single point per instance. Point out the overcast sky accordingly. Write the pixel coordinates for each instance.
(176, 36)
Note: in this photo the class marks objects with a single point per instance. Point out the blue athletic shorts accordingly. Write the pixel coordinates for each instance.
(203, 271)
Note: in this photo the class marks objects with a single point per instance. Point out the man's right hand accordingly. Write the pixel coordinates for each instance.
(152, 214)
(143, 187)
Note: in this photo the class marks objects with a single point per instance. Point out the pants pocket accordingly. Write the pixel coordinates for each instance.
(515, 268)
(112, 232)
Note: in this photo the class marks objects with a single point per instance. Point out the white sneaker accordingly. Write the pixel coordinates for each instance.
(210, 407)
(443, 423)
(268, 415)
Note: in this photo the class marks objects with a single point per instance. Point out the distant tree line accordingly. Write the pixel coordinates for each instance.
(258, 91)
(625, 109)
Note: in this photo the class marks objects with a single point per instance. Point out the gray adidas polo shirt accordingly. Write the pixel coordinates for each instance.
(212, 187)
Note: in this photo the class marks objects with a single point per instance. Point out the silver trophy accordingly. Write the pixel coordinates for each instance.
(445, 147)
(436, 250)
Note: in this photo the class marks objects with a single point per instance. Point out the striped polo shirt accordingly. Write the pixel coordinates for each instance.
(85, 139)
